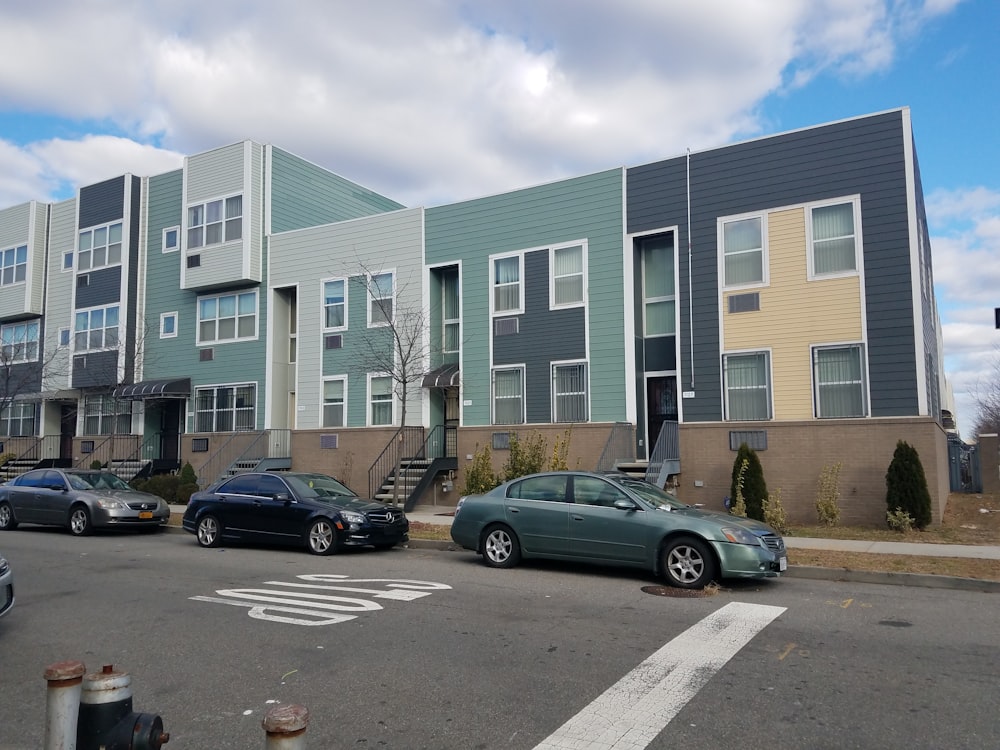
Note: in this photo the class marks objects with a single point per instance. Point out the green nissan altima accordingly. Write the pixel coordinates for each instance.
(616, 520)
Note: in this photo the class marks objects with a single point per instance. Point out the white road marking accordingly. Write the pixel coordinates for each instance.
(629, 714)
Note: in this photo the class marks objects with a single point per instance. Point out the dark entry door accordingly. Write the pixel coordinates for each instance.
(67, 430)
(170, 423)
(661, 406)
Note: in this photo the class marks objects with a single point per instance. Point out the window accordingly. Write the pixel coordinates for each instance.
(334, 411)
(380, 303)
(17, 419)
(450, 327)
(20, 342)
(507, 284)
(743, 251)
(380, 395)
(569, 392)
(63, 337)
(96, 329)
(596, 491)
(747, 382)
(68, 260)
(567, 276)
(168, 325)
(335, 304)
(227, 317)
(13, 265)
(658, 286)
(105, 415)
(215, 222)
(833, 239)
(839, 377)
(226, 408)
(99, 247)
(171, 239)
(551, 487)
(508, 396)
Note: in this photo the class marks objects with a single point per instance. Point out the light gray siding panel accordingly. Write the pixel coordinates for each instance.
(253, 201)
(59, 300)
(215, 173)
(38, 248)
(15, 231)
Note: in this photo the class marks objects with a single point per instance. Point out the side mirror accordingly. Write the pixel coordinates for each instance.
(283, 497)
(624, 505)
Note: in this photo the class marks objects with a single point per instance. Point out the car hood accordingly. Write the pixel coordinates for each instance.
(127, 496)
(725, 519)
(356, 504)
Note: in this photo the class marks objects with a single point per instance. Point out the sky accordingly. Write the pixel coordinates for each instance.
(435, 101)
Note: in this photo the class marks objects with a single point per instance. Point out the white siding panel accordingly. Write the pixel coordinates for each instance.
(215, 173)
(59, 302)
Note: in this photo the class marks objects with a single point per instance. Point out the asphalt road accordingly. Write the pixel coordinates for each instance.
(544, 655)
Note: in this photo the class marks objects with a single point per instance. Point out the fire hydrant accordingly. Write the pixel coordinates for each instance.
(107, 721)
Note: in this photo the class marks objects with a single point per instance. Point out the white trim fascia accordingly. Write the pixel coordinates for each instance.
(628, 310)
(919, 350)
(248, 197)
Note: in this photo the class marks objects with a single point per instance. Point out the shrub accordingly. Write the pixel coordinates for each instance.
(774, 512)
(739, 506)
(754, 487)
(899, 520)
(96, 465)
(480, 477)
(525, 458)
(187, 474)
(6, 457)
(184, 492)
(906, 486)
(560, 452)
(164, 485)
(828, 496)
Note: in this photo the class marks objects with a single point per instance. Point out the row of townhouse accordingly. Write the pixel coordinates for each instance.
(232, 314)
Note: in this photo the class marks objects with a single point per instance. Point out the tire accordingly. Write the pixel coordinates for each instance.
(500, 547)
(7, 520)
(209, 531)
(79, 521)
(321, 539)
(688, 563)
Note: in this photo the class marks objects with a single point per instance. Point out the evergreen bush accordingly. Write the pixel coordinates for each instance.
(739, 506)
(754, 487)
(906, 486)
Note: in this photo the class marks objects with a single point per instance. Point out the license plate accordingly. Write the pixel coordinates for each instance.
(149, 514)
(783, 564)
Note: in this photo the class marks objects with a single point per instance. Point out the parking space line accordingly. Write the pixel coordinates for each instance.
(629, 714)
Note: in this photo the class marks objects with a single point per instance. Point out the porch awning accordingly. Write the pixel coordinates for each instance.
(444, 376)
(166, 388)
(64, 395)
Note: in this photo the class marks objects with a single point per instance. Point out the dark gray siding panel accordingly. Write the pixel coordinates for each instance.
(95, 369)
(544, 336)
(863, 156)
(103, 287)
(21, 379)
(102, 203)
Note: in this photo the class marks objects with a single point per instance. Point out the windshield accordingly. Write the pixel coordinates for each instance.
(97, 480)
(653, 494)
(318, 486)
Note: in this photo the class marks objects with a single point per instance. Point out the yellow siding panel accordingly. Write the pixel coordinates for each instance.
(794, 314)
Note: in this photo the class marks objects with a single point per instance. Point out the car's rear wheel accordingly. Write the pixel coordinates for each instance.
(79, 521)
(7, 520)
(322, 537)
(209, 531)
(688, 563)
(500, 547)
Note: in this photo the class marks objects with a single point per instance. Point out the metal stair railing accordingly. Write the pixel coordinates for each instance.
(106, 450)
(244, 446)
(620, 446)
(406, 442)
(666, 456)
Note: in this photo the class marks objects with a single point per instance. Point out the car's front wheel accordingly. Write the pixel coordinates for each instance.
(209, 531)
(688, 563)
(500, 547)
(7, 520)
(79, 521)
(322, 537)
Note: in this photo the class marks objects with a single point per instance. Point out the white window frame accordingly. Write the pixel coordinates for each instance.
(113, 415)
(652, 300)
(493, 392)
(164, 317)
(17, 268)
(764, 256)
(23, 346)
(77, 332)
(322, 292)
(199, 241)
(233, 410)
(447, 323)
(582, 273)
(65, 336)
(91, 231)
(864, 384)
(374, 296)
(69, 255)
(236, 317)
(371, 400)
(165, 245)
(855, 202)
(585, 392)
(769, 385)
(21, 413)
(519, 283)
(343, 402)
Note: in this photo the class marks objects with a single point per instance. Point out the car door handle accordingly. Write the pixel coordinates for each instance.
(514, 510)
(577, 518)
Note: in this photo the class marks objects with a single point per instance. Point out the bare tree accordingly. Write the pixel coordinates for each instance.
(23, 363)
(986, 394)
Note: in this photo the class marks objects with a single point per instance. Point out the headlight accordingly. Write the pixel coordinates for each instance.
(3, 565)
(111, 504)
(740, 536)
(351, 517)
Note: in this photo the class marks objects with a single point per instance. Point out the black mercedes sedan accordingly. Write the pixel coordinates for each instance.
(292, 508)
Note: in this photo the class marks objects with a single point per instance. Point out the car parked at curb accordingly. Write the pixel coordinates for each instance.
(612, 519)
(292, 508)
(6, 586)
(81, 500)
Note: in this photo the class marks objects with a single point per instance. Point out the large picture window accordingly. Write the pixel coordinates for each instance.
(227, 317)
(20, 342)
(834, 248)
(508, 396)
(839, 380)
(567, 276)
(748, 387)
(95, 329)
(226, 408)
(380, 400)
(215, 222)
(17, 419)
(569, 392)
(743, 251)
(335, 304)
(658, 286)
(105, 415)
(13, 265)
(507, 284)
(334, 402)
(99, 247)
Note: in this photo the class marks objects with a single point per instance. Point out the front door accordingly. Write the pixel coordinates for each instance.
(661, 406)
(67, 430)
(170, 421)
